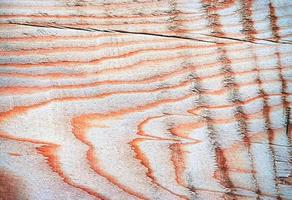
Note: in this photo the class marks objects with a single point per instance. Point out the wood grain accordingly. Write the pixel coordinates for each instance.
(159, 100)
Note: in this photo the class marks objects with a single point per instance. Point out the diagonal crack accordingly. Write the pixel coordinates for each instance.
(230, 38)
(268, 143)
(249, 41)
(162, 35)
(112, 31)
(153, 34)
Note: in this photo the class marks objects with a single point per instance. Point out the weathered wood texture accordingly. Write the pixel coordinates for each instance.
(160, 100)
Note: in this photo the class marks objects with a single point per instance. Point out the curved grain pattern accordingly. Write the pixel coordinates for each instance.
(145, 100)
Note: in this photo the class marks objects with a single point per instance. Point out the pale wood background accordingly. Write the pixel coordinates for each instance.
(159, 100)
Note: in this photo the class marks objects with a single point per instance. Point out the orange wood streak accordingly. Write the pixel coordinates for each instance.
(49, 153)
(34, 89)
(176, 156)
(180, 130)
(48, 150)
(196, 110)
(79, 127)
(53, 38)
(127, 54)
(145, 162)
(86, 6)
(188, 127)
(93, 48)
(117, 5)
(22, 90)
(99, 60)
(142, 158)
(15, 154)
(214, 6)
(183, 130)
(104, 71)
(21, 109)
(127, 17)
(160, 22)
(216, 92)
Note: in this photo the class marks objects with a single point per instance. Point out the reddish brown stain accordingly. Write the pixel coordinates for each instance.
(235, 161)
(12, 187)
(222, 173)
(286, 181)
(178, 160)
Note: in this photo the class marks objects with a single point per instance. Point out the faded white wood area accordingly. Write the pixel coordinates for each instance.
(158, 100)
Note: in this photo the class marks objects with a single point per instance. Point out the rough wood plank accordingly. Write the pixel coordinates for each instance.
(151, 100)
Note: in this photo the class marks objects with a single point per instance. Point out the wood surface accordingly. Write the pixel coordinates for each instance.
(159, 100)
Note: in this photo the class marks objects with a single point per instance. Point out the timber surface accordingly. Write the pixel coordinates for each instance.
(156, 100)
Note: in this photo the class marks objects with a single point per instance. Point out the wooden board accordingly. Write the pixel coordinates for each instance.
(143, 99)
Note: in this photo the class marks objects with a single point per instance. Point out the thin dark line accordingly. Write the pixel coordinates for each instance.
(288, 121)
